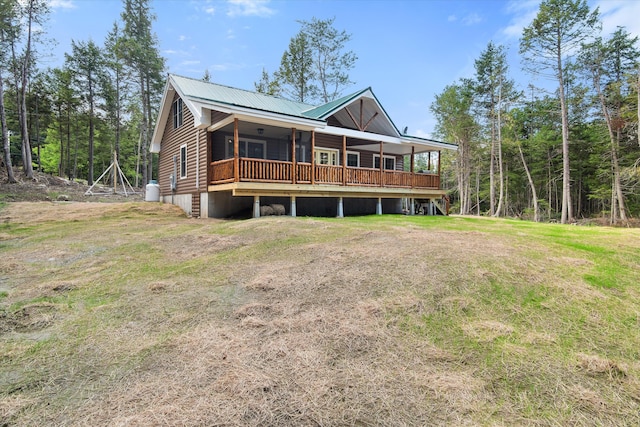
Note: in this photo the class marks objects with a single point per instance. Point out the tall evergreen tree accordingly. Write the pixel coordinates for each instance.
(142, 56)
(546, 44)
(7, 20)
(296, 75)
(456, 122)
(607, 63)
(494, 91)
(331, 63)
(87, 65)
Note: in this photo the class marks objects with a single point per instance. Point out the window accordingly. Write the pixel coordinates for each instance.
(389, 162)
(252, 148)
(177, 113)
(326, 156)
(183, 161)
(353, 159)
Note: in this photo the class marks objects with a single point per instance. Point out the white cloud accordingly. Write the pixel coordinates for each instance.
(182, 38)
(617, 13)
(523, 13)
(249, 8)
(472, 19)
(62, 4)
(226, 67)
(210, 10)
(189, 62)
(231, 35)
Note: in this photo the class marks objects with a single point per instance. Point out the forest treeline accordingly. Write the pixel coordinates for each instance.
(70, 120)
(561, 154)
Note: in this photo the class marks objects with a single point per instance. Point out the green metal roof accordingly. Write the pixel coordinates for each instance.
(205, 91)
(321, 111)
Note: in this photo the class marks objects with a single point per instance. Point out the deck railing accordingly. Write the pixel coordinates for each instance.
(260, 170)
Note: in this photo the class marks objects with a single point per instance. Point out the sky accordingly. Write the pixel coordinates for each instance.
(408, 50)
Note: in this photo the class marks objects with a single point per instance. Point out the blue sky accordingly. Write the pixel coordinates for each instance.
(408, 51)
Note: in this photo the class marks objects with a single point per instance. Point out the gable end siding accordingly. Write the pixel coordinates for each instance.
(170, 146)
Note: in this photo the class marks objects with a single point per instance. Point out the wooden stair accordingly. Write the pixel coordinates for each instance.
(195, 205)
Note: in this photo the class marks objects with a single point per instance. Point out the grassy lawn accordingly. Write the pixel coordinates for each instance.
(132, 314)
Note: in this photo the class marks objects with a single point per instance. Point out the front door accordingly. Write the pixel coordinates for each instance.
(326, 157)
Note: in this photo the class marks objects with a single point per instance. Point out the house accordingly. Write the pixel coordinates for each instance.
(226, 151)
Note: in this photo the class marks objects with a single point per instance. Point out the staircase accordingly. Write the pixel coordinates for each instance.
(195, 205)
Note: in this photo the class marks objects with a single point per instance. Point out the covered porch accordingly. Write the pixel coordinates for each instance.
(250, 152)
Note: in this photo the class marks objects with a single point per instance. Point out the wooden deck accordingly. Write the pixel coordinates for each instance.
(281, 172)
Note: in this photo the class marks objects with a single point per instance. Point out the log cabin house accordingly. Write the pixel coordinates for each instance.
(226, 151)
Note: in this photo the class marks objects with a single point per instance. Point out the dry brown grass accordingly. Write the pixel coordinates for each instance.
(162, 320)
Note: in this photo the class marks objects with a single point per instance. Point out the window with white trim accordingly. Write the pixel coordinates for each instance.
(177, 113)
(389, 162)
(353, 159)
(253, 148)
(183, 161)
(327, 156)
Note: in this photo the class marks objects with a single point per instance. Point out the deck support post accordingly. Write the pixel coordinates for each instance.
(412, 207)
(293, 206)
(256, 206)
(340, 208)
(379, 206)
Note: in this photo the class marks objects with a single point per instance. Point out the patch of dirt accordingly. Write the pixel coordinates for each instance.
(49, 188)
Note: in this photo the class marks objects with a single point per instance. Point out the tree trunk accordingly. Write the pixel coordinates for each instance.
(567, 213)
(492, 166)
(6, 139)
(614, 139)
(91, 133)
(534, 195)
(500, 166)
(26, 144)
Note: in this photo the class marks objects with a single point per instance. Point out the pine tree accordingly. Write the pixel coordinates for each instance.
(558, 28)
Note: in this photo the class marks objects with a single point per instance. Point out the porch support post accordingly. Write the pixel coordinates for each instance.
(294, 168)
(340, 208)
(413, 164)
(429, 161)
(313, 157)
(412, 208)
(379, 206)
(256, 206)
(236, 153)
(293, 206)
(381, 166)
(344, 160)
(439, 163)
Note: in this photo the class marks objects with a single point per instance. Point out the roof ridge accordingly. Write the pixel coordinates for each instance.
(245, 90)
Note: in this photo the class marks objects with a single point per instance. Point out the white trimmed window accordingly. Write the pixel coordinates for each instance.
(183, 161)
(389, 162)
(252, 148)
(177, 113)
(353, 159)
(327, 156)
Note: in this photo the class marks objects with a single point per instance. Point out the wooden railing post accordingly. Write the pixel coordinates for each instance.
(381, 166)
(236, 151)
(413, 154)
(438, 169)
(313, 157)
(344, 160)
(294, 168)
